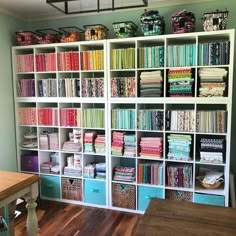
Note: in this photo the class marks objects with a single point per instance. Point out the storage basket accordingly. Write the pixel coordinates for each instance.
(48, 36)
(183, 22)
(95, 32)
(125, 29)
(124, 196)
(71, 34)
(179, 195)
(216, 20)
(71, 188)
(26, 38)
(152, 23)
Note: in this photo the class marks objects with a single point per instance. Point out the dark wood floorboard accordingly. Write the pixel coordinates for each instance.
(62, 219)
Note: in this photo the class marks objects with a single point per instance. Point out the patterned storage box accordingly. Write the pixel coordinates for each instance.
(48, 36)
(95, 32)
(152, 23)
(71, 188)
(124, 196)
(125, 29)
(216, 20)
(26, 38)
(179, 195)
(183, 22)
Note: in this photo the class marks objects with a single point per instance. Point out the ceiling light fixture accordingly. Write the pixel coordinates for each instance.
(87, 6)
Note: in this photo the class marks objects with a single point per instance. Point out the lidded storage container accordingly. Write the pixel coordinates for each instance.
(26, 38)
(71, 34)
(183, 22)
(48, 36)
(152, 23)
(216, 20)
(125, 29)
(95, 32)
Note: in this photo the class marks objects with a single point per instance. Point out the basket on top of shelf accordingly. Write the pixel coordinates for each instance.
(95, 32)
(26, 38)
(125, 29)
(216, 20)
(71, 34)
(152, 23)
(183, 22)
(46, 36)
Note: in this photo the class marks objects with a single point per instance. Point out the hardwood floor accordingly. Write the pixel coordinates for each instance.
(61, 219)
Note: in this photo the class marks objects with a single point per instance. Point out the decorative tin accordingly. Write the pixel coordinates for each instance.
(183, 22)
(125, 29)
(95, 32)
(152, 23)
(216, 20)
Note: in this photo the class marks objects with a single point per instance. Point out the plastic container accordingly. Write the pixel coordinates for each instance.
(95, 32)
(26, 38)
(71, 34)
(152, 23)
(216, 20)
(125, 29)
(48, 36)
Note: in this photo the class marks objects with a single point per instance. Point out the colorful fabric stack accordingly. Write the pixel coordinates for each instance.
(179, 147)
(117, 145)
(123, 87)
(100, 143)
(179, 175)
(180, 81)
(124, 174)
(93, 87)
(150, 119)
(151, 84)
(130, 145)
(100, 170)
(212, 150)
(150, 173)
(89, 171)
(212, 82)
(89, 137)
(151, 147)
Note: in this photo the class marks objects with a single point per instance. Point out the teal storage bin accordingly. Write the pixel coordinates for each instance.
(50, 186)
(209, 199)
(95, 192)
(146, 193)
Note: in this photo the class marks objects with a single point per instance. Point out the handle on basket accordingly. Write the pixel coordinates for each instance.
(50, 185)
(64, 29)
(148, 197)
(49, 29)
(94, 190)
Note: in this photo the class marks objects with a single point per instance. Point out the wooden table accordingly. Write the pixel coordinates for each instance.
(15, 185)
(167, 217)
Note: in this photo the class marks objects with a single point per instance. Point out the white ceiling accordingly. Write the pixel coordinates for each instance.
(39, 9)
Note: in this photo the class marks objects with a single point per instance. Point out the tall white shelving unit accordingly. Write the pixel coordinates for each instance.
(134, 194)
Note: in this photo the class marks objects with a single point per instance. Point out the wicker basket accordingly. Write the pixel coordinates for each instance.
(124, 196)
(179, 195)
(71, 188)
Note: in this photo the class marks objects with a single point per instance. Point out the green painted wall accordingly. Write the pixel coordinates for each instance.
(8, 26)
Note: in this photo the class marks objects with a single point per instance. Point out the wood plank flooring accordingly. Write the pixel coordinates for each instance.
(62, 219)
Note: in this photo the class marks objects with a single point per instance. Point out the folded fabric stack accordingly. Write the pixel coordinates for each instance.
(151, 84)
(179, 147)
(89, 171)
(117, 145)
(212, 82)
(151, 147)
(130, 145)
(212, 150)
(180, 81)
(89, 137)
(124, 174)
(100, 143)
(100, 170)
